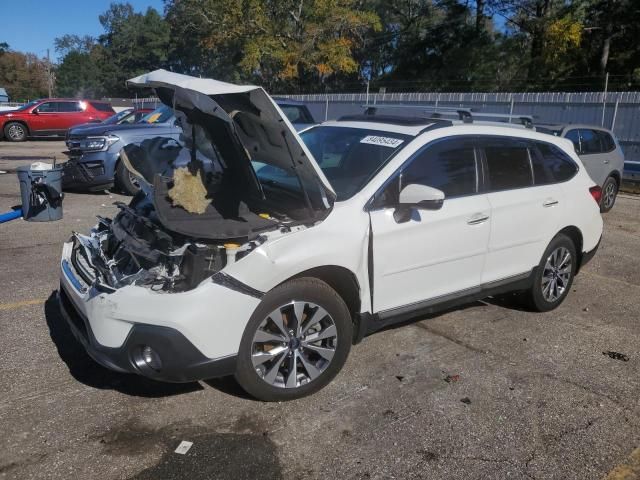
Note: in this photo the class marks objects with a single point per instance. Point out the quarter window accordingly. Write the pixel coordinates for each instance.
(551, 165)
(606, 141)
(508, 164)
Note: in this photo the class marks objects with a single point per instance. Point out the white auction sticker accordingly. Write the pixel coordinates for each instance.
(384, 141)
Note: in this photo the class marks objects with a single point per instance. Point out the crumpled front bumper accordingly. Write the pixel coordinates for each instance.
(196, 334)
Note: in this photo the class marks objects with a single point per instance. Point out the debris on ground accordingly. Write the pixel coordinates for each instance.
(400, 377)
(616, 356)
(184, 447)
(427, 455)
(451, 378)
(466, 400)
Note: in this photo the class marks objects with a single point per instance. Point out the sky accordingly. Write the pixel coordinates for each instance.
(31, 25)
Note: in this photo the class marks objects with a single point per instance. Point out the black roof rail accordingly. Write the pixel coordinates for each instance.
(465, 115)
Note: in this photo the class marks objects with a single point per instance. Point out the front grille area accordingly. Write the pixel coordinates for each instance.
(75, 172)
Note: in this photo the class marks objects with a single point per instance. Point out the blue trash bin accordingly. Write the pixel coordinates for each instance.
(41, 192)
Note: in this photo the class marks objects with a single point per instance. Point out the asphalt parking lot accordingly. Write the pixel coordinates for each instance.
(485, 391)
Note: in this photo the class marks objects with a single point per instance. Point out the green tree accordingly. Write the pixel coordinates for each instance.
(133, 43)
(22, 75)
(276, 43)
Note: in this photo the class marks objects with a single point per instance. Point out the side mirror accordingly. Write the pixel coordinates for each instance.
(421, 196)
(415, 196)
(35, 111)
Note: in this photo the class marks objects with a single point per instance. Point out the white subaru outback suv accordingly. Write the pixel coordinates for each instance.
(308, 243)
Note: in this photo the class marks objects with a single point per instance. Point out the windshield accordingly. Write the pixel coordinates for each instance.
(118, 117)
(160, 115)
(26, 106)
(350, 157)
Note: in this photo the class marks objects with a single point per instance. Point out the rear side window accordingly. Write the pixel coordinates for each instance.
(508, 165)
(103, 107)
(69, 107)
(551, 164)
(590, 141)
(449, 166)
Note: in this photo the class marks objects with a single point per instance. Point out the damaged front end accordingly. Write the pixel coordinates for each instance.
(204, 202)
(134, 249)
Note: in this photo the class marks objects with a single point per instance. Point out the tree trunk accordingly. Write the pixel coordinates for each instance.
(479, 15)
(608, 34)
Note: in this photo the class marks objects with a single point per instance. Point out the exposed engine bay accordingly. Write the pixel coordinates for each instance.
(133, 249)
(203, 203)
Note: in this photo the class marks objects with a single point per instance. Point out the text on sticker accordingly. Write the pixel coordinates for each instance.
(384, 141)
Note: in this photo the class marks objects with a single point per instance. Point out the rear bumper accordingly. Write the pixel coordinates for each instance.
(588, 256)
(181, 360)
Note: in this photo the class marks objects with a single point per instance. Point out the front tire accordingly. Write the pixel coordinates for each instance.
(296, 341)
(124, 181)
(609, 195)
(15, 132)
(554, 275)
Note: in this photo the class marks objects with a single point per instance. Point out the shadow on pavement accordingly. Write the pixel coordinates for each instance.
(84, 369)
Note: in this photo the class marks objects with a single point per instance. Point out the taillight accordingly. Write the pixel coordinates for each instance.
(596, 193)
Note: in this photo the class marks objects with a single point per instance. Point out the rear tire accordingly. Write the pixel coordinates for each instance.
(15, 132)
(554, 275)
(302, 326)
(124, 181)
(609, 195)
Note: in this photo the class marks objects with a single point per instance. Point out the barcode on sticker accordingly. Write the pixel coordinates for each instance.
(383, 141)
(183, 447)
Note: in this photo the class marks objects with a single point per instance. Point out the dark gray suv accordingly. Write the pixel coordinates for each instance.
(94, 151)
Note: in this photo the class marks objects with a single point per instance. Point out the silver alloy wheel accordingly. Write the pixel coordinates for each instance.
(294, 344)
(609, 195)
(16, 131)
(556, 275)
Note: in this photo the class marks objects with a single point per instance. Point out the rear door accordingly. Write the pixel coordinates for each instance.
(436, 252)
(71, 113)
(524, 215)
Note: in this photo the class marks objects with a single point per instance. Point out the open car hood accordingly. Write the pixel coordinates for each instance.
(245, 124)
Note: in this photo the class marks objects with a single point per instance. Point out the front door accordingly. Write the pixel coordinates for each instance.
(435, 252)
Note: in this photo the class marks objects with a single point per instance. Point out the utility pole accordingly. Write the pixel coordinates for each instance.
(604, 97)
(50, 75)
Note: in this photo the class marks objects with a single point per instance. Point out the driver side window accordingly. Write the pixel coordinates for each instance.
(48, 107)
(448, 165)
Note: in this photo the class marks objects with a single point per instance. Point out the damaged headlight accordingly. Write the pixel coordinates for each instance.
(97, 143)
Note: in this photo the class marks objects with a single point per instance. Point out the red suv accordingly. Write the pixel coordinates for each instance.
(51, 117)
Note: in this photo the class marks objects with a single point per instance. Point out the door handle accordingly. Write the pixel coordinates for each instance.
(606, 162)
(478, 219)
(550, 202)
